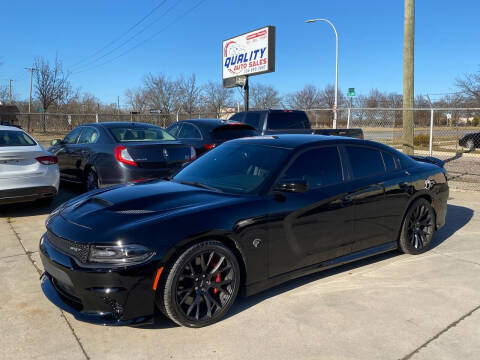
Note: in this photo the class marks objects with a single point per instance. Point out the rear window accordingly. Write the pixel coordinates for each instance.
(229, 132)
(15, 138)
(253, 119)
(365, 161)
(288, 120)
(135, 133)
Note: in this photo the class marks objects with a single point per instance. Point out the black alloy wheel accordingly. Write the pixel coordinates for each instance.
(418, 228)
(201, 285)
(91, 180)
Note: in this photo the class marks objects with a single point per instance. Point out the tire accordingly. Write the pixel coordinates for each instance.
(470, 145)
(196, 293)
(418, 228)
(91, 180)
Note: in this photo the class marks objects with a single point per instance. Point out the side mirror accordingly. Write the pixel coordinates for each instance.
(56, 142)
(293, 185)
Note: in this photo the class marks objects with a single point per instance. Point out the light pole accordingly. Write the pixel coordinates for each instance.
(336, 67)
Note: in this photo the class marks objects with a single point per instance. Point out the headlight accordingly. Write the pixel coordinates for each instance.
(119, 254)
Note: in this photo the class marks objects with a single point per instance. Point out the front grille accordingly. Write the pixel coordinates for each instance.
(77, 250)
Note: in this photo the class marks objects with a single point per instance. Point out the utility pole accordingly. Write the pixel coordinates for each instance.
(408, 75)
(10, 92)
(31, 69)
(118, 105)
(246, 93)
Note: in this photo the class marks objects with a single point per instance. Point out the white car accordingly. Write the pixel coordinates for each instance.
(27, 171)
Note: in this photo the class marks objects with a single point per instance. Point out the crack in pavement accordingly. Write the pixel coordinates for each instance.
(29, 255)
(435, 337)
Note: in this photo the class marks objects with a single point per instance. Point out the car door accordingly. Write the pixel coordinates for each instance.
(374, 212)
(191, 135)
(65, 156)
(315, 226)
(84, 150)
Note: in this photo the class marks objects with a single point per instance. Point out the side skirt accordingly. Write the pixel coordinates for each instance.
(358, 255)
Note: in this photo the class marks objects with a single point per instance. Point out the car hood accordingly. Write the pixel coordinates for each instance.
(139, 202)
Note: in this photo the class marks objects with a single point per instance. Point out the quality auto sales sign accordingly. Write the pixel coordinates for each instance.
(249, 54)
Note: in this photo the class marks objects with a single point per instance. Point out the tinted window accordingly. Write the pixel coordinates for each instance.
(319, 167)
(235, 167)
(15, 138)
(189, 131)
(365, 161)
(224, 133)
(140, 133)
(253, 119)
(237, 117)
(287, 120)
(89, 136)
(72, 136)
(389, 161)
(174, 129)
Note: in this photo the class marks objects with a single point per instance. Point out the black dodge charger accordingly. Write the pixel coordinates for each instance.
(249, 214)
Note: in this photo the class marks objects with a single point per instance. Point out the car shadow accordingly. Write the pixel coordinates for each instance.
(65, 193)
(457, 217)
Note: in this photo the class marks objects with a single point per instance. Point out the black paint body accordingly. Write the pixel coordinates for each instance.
(205, 134)
(296, 233)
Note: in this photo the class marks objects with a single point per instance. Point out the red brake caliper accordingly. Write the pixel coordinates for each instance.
(217, 279)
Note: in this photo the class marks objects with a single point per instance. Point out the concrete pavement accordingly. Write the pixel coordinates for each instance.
(391, 306)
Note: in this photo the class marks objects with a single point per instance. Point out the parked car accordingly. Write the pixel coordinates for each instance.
(27, 171)
(102, 154)
(470, 141)
(249, 214)
(271, 122)
(206, 134)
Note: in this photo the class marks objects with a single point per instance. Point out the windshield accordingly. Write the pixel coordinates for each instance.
(15, 138)
(237, 168)
(140, 133)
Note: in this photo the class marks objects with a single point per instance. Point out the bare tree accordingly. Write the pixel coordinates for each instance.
(307, 98)
(189, 94)
(51, 82)
(216, 98)
(264, 97)
(137, 99)
(4, 94)
(161, 93)
(469, 85)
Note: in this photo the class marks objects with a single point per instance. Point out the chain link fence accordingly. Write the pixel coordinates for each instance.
(451, 134)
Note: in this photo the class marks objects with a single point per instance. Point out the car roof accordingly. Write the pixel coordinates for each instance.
(6, 127)
(210, 123)
(110, 124)
(292, 141)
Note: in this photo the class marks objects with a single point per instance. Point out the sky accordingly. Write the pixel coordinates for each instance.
(97, 41)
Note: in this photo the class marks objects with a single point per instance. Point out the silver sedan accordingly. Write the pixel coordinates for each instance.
(27, 171)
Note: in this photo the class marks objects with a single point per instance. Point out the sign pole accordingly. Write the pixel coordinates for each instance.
(245, 93)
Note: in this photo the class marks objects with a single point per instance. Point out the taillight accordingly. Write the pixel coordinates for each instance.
(122, 155)
(362, 137)
(193, 153)
(209, 146)
(47, 160)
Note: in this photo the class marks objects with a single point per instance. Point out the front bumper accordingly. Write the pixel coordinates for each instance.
(99, 296)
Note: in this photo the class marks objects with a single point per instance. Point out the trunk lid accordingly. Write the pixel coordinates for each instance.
(155, 155)
(20, 161)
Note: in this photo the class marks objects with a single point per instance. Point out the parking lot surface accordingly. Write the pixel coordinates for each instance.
(392, 306)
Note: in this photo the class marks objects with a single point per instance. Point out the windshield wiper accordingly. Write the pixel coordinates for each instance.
(200, 185)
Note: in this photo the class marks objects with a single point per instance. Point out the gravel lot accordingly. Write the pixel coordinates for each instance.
(391, 306)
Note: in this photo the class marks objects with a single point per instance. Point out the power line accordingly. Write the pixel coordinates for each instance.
(143, 42)
(131, 37)
(122, 35)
